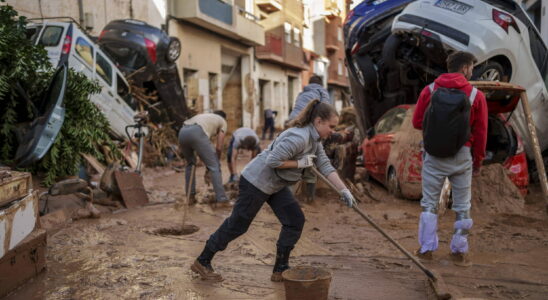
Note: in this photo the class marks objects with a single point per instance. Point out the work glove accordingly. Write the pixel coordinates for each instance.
(306, 162)
(347, 198)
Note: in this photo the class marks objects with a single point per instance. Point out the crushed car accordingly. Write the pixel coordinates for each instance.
(36, 137)
(67, 44)
(402, 47)
(392, 150)
(147, 56)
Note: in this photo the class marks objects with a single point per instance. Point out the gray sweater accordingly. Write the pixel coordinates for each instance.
(310, 92)
(292, 144)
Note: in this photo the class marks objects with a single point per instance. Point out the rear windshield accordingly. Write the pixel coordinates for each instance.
(32, 33)
(125, 56)
(51, 36)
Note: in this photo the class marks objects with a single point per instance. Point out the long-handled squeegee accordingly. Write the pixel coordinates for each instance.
(434, 279)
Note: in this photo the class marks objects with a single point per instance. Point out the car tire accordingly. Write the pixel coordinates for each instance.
(173, 49)
(490, 71)
(392, 183)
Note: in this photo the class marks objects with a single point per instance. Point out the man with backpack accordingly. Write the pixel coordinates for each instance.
(453, 117)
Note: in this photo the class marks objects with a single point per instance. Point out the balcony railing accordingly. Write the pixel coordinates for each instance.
(332, 32)
(277, 50)
(272, 45)
(220, 17)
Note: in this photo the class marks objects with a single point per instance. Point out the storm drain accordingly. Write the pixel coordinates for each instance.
(179, 230)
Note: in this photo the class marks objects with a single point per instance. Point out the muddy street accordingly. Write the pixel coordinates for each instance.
(126, 255)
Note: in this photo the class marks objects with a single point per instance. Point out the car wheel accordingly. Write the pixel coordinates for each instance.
(490, 71)
(392, 183)
(173, 49)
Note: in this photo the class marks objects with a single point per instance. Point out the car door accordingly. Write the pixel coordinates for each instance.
(37, 139)
(379, 146)
(119, 114)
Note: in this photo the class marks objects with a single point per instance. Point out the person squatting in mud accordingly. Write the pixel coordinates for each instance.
(267, 179)
(453, 117)
(242, 139)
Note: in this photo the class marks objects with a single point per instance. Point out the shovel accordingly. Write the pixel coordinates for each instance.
(434, 279)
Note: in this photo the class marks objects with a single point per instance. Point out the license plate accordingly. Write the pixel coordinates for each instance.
(454, 6)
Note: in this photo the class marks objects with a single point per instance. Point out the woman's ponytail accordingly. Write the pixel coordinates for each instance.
(312, 110)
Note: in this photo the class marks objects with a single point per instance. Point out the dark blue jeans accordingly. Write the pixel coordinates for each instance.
(250, 200)
(268, 125)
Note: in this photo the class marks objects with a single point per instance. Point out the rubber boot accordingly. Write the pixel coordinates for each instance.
(203, 267)
(428, 236)
(281, 264)
(459, 243)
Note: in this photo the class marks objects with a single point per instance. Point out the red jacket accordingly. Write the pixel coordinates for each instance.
(478, 113)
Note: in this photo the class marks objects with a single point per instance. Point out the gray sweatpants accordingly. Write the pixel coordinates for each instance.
(458, 169)
(192, 138)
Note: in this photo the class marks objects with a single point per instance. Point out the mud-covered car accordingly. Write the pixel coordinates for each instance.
(392, 150)
(147, 55)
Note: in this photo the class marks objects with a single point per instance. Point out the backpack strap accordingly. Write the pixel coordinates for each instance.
(431, 87)
(473, 95)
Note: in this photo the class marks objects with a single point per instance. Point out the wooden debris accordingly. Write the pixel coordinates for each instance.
(94, 163)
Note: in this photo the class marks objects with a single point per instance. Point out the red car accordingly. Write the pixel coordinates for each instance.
(392, 151)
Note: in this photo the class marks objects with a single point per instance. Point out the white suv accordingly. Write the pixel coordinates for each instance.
(498, 32)
(66, 42)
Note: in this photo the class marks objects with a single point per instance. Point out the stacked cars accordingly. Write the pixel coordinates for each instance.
(392, 150)
(147, 55)
(396, 47)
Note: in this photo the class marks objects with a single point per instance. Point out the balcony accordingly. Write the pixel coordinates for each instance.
(269, 6)
(277, 50)
(336, 73)
(220, 17)
(333, 35)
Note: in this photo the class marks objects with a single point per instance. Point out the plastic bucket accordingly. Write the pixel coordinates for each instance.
(306, 283)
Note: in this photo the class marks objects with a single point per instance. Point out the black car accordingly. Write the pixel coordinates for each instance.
(147, 56)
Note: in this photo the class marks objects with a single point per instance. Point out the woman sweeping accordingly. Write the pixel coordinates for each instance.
(267, 179)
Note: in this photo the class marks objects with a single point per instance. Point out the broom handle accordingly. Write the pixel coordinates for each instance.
(379, 229)
(187, 193)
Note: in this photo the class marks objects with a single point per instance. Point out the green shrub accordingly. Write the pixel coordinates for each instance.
(85, 127)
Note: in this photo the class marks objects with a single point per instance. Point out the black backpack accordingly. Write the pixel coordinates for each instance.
(446, 122)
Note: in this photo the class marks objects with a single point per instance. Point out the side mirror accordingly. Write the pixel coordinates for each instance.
(370, 132)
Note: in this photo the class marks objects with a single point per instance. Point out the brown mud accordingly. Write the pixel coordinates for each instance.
(123, 256)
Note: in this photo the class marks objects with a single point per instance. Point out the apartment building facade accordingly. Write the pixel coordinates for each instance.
(217, 58)
(323, 40)
(281, 60)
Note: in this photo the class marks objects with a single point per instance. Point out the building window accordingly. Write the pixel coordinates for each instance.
(340, 68)
(297, 37)
(339, 34)
(287, 31)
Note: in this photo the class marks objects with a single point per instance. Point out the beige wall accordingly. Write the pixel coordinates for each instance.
(203, 51)
(102, 11)
(276, 92)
